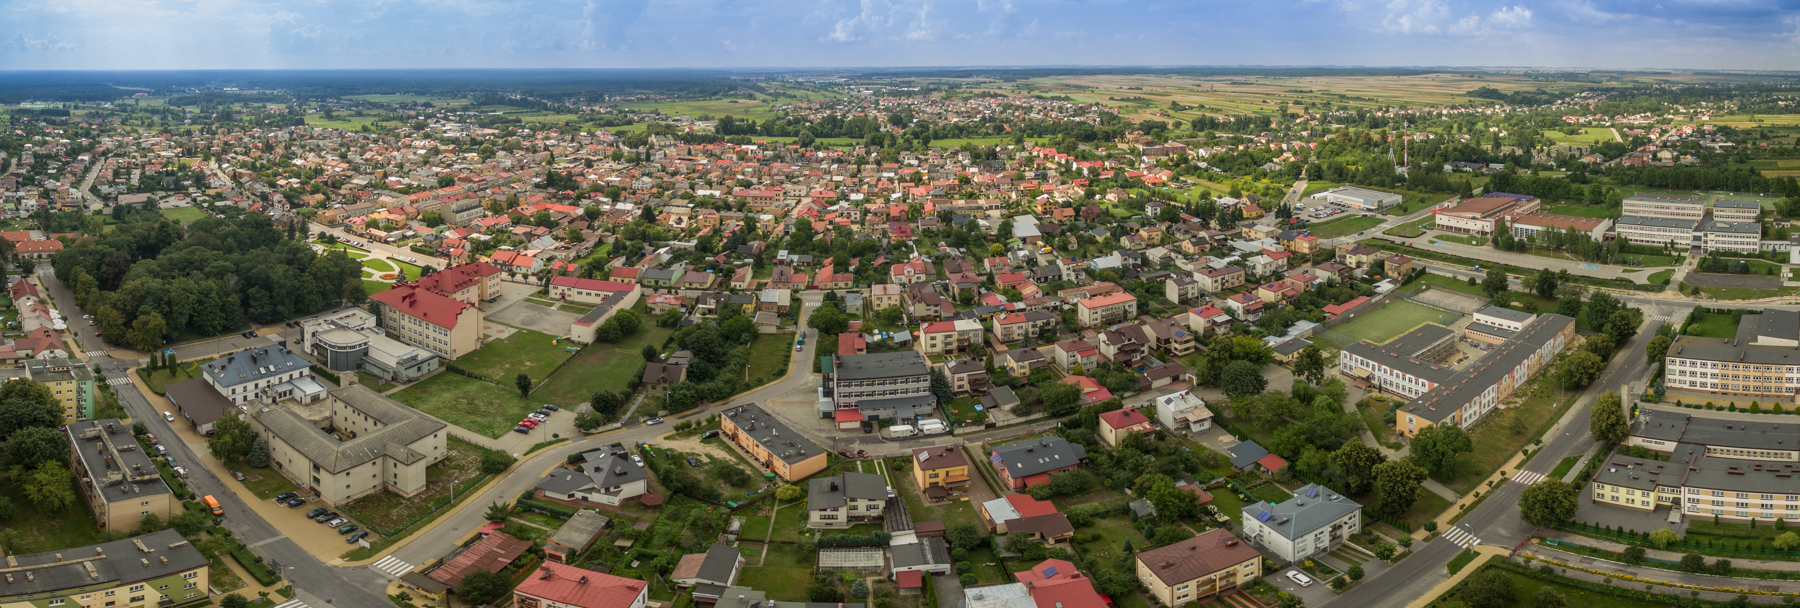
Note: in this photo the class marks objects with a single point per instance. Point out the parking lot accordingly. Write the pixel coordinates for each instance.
(1315, 210)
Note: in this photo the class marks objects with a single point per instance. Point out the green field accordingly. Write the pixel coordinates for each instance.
(599, 367)
(527, 351)
(1711, 325)
(1343, 226)
(469, 403)
(1412, 229)
(183, 214)
(1392, 319)
(1742, 293)
(1587, 137)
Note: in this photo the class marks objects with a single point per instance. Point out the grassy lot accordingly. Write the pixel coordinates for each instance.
(1502, 432)
(1587, 137)
(962, 412)
(1473, 241)
(770, 355)
(526, 351)
(1392, 319)
(1741, 293)
(1526, 588)
(1583, 210)
(378, 265)
(183, 215)
(189, 370)
(1661, 276)
(713, 470)
(1271, 493)
(949, 513)
(1343, 226)
(1111, 535)
(1374, 415)
(376, 384)
(1229, 504)
(375, 287)
(600, 366)
(1711, 325)
(784, 574)
(469, 403)
(1563, 466)
(1701, 530)
(389, 512)
(266, 482)
(1412, 229)
(39, 532)
(1462, 559)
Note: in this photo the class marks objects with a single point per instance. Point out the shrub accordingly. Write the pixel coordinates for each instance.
(1430, 526)
(969, 580)
(495, 461)
(1385, 551)
(1634, 555)
(964, 567)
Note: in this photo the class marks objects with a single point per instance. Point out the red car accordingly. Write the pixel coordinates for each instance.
(528, 423)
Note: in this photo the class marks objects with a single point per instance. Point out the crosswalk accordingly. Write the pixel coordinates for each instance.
(1528, 477)
(118, 381)
(98, 353)
(294, 603)
(1462, 538)
(390, 566)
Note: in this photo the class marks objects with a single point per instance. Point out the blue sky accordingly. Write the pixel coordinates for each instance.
(204, 34)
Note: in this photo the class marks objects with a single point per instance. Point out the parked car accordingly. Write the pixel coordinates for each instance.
(529, 423)
(693, 462)
(709, 434)
(537, 416)
(1302, 579)
(325, 517)
(656, 420)
(337, 521)
(356, 537)
(317, 512)
(169, 416)
(521, 430)
(347, 529)
(551, 407)
(284, 496)
(296, 502)
(637, 460)
(162, 450)
(238, 475)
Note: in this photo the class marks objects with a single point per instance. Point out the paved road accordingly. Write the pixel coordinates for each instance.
(87, 184)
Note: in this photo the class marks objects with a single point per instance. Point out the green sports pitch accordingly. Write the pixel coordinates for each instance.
(1392, 319)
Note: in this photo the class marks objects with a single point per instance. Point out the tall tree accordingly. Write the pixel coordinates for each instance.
(523, 383)
(32, 446)
(1438, 448)
(1310, 364)
(1357, 462)
(232, 437)
(1548, 503)
(50, 487)
(1495, 283)
(1242, 379)
(1397, 484)
(1606, 419)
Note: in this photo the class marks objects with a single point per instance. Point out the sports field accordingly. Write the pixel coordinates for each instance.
(1392, 319)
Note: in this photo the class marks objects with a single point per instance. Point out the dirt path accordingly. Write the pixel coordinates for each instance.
(692, 445)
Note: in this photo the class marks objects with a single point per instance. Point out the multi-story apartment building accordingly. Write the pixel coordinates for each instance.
(122, 487)
(881, 385)
(1474, 392)
(771, 444)
(1209, 565)
(158, 569)
(379, 445)
(841, 501)
(70, 381)
(1736, 210)
(1478, 215)
(430, 320)
(1657, 231)
(1180, 289)
(1012, 327)
(1760, 362)
(1406, 366)
(1215, 280)
(1314, 520)
(1106, 310)
(1732, 470)
(1664, 206)
(267, 374)
(949, 337)
(1735, 237)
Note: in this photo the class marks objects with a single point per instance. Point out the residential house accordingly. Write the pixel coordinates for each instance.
(1209, 565)
(844, 500)
(1183, 412)
(1116, 424)
(941, 472)
(1075, 352)
(1028, 463)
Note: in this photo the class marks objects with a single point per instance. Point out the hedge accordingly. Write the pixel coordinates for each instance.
(878, 538)
(252, 564)
(327, 374)
(546, 508)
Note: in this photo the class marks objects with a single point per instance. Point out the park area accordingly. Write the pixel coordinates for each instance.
(525, 351)
(599, 366)
(478, 406)
(183, 215)
(1345, 226)
(1392, 319)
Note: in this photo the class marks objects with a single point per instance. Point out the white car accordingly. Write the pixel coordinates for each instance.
(169, 416)
(1302, 579)
(538, 417)
(637, 460)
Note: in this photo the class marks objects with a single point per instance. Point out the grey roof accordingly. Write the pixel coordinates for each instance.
(1633, 220)
(720, 561)
(1507, 314)
(57, 369)
(252, 364)
(599, 471)
(875, 366)
(199, 401)
(1733, 227)
(109, 456)
(605, 305)
(1737, 203)
(1689, 466)
(1001, 397)
(1719, 349)
(929, 551)
(772, 434)
(1438, 403)
(116, 563)
(1404, 363)
(1291, 346)
(834, 492)
(1034, 456)
(580, 529)
(1783, 324)
(1246, 454)
(401, 426)
(1680, 199)
(1420, 338)
(1722, 432)
(1312, 507)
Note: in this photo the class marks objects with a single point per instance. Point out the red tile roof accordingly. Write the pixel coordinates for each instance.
(1124, 418)
(910, 579)
(573, 586)
(1106, 300)
(456, 278)
(1030, 507)
(434, 308)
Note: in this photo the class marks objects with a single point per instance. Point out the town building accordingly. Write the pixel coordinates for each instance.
(1737, 211)
(351, 340)
(1116, 424)
(71, 383)
(1656, 231)
(1533, 224)
(575, 536)
(441, 324)
(1180, 289)
(1406, 366)
(265, 374)
(1359, 198)
(158, 569)
(1215, 280)
(941, 473)
(608, 298)
(1478, 216)
(1732, 470)
(1760, 362)
(1211, 564)
(949, 337)
(1012, 327)
(1183, 412)
(607, 479)
(879, 386)
(375, 444)
(1106, 310)
(1734, 237)
(1664, 206)
(1472, 393)
(719, 565)
(1495, 325)
(1314, 521)
(1021, 513)
(556, 585)
(120, 482)
(1031, 462)
(770, 443)
(844, 500)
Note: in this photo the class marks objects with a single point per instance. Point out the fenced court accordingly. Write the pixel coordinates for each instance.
(1450, 300)
(1388, 321)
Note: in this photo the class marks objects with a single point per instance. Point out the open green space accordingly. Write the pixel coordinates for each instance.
(949, 512)
(378, 265)
(1463, 239)
(266, 482)
(526, 351)
(1526, 588)
(1452, 284)
(1392, 319)
(183, 214)
(1563, 466)
(375, 287)
(1344, 226)
(1110, 535)
(1711, 325)
(784, 573)
(40, 531)
(1742, 293)
(469, 403)
(770, 355)
(600, 366)
(160, 378)
(1587, 136)
(1660, 276)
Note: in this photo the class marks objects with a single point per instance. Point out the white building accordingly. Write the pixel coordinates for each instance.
(267, 374)
(1360, 198)
(1312, 522)
(1183, 412)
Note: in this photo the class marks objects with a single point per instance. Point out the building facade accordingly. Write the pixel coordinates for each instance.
(1664, 206)
(121, 486)
(441, 324)
(377, 444)
(1106, 310)
(70, 381)
(1315, 520)
(771, 444)
(1209, 565)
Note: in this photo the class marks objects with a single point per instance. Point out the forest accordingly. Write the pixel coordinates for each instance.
(150, 280)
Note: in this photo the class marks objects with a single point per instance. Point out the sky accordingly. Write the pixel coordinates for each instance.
(340, 34)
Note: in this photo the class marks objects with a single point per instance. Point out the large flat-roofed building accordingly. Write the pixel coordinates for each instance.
(771, 444)
(1406, 366)
(1664, 206)
(880, 385)
(70, 381)
(1736, 210)
(119, 481)
(608, 298)
(1657, 231)
(374, 444)
(1478, 215)
(1360, 198)
(1533, 224)
(1761, 361)
(157, 569)
(351, 340)
(1496, 325)
(265, 374)
(1735, 237)
(430, 320)
(1733, 470)
(1467, 396)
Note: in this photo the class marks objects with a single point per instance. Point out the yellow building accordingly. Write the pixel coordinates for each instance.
(941, 472)
(771, 444)
(159, 569)
(119, 482)
(70, 381)
(1204, 566)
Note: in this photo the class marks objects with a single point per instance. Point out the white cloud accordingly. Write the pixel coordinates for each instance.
(884, 20)
(1414, 17)
(1510, 17)
(22, 42)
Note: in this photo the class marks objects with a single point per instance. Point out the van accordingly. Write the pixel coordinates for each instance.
(213, 505)
(902, 430)
(932, 426)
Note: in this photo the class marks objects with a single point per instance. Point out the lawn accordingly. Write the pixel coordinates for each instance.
(949, 513)
(1374, 415)
(39, 532)
(1392, 319)
(1563, 466)
(189, 370)
(1742, 293)
(1344, 226)
(784, 573)
(388, 513)
(1711, 325)
(378, 265)
(1473, 241)
(600, 366)
(375, 287)
(962, 412)
(1661, 276)
(1584, 210)
(1111, 533)
(526, 351)
(478, 406)
(1412, 229)
(770, 356)
(1451, 284)
(183, 215)
(266, 482)
(1502, 432)
(1525, 588)
(716, 470)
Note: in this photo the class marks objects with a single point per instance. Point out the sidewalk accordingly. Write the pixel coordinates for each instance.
(1616, 547)
(1483, 554)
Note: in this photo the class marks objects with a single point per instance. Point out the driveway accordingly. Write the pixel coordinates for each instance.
(535, 317)
(1315, 594)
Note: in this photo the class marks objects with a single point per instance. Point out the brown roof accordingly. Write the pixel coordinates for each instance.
(492, 553)
(1048, 526)
(942, 457)
(1482, 207)
(689, 566)
(1196, 557)
(1551, 220)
